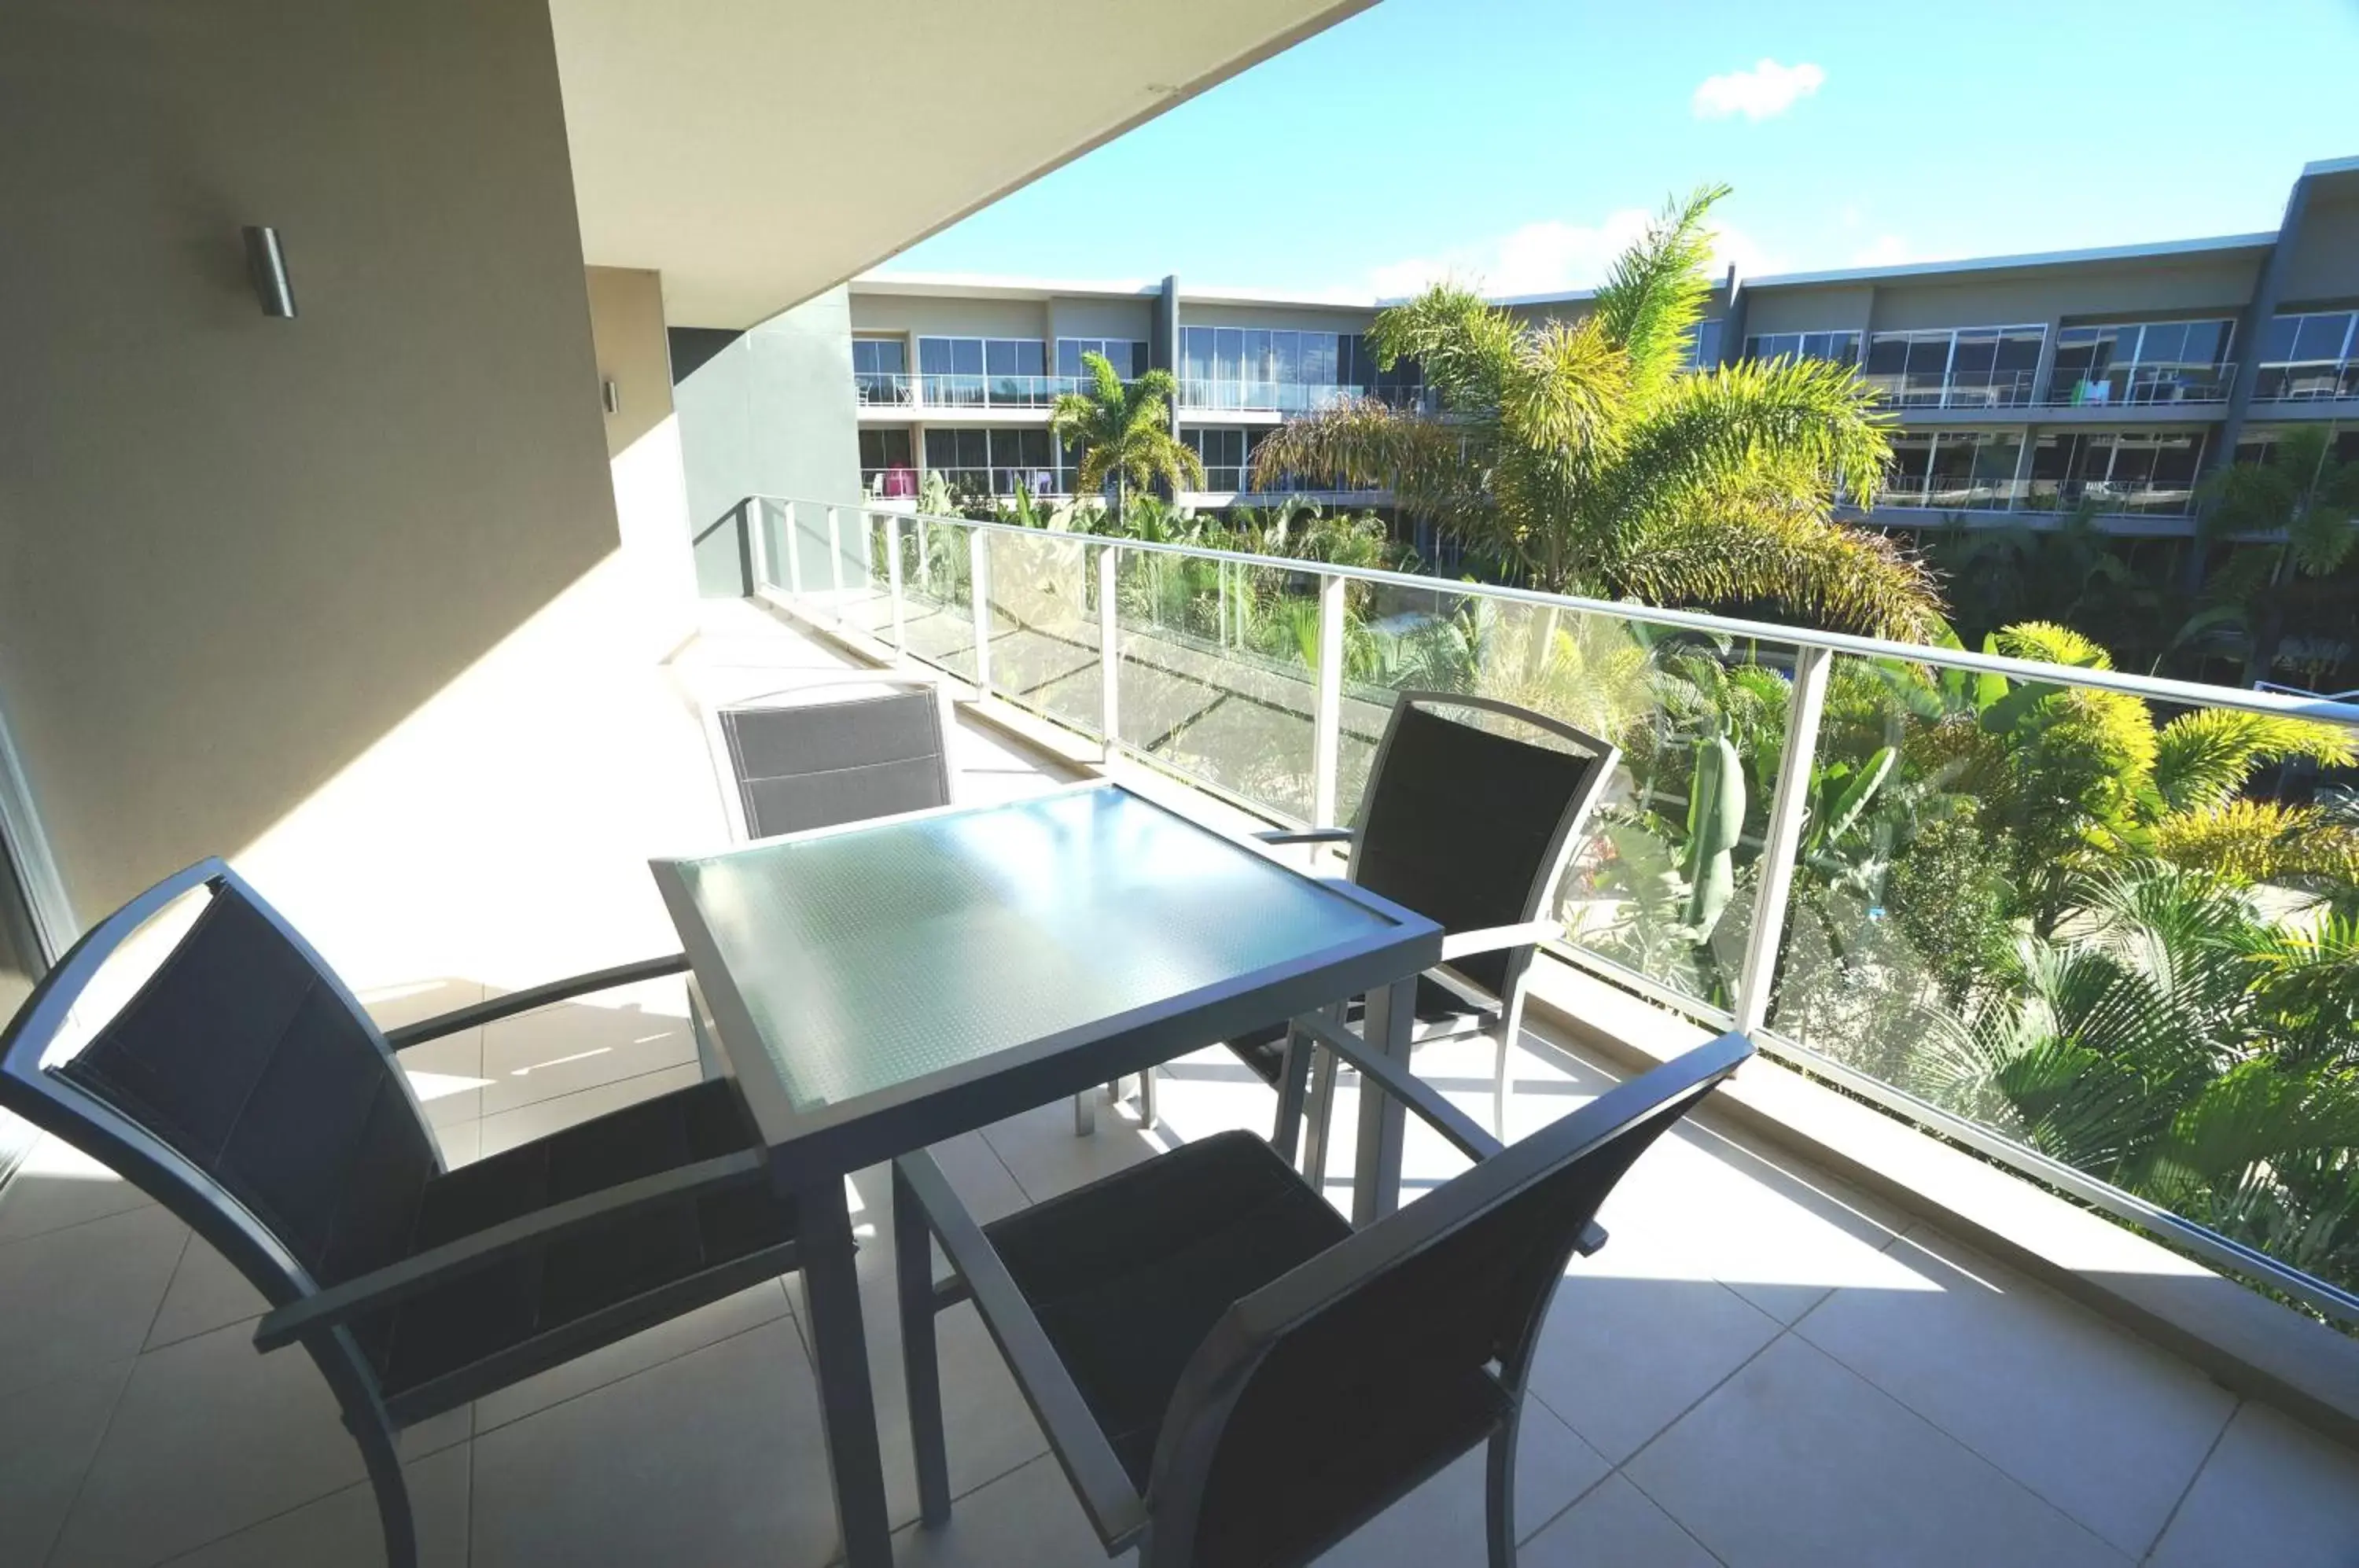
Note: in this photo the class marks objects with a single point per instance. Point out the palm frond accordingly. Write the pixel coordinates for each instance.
(2203, 758)
(1790, 561)
(1654, 294)
(1731, 428)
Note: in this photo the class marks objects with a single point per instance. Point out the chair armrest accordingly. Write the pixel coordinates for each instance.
(494, 1244)
(1592, 1237)
(1490, 939)
(1114, 1506)
(1306, 835)
(1411, 1091)
(517, 1002)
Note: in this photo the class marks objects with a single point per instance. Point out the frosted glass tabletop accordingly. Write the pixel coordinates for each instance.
(870, 957)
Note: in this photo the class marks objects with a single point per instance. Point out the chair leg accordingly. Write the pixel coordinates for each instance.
(383, 1459)
(913, 1259)
(1147, 1112)
(1322, 1117)
(1293, 1082)
(1499, 1494)
(1085, 1111)
(1511, 1029)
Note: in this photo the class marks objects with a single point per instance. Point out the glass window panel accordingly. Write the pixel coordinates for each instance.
(2176, 456)
(966, 355)
(1887, 353)
(1319, 358)
(1068, 356)
(1031, 357)
(2162, 342)
(1912, 453)
(2052, 459)
(2276, 347)
(941, 449)
(2018, 349)
(999, 357)
(1259, 367)
(934, 357)
(1138, 357)
(974, 449)
(2320, 337)
(1229, 354)
(1287, 347)
(1196, 353)
(1976, 352)
(1704, 349)
(2204, 341)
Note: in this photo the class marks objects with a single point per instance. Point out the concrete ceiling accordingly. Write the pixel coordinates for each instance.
(757, 152)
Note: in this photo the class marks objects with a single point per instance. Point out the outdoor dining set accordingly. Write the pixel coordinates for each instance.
(1230, 1370)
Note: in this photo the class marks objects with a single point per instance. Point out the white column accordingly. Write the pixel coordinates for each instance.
(1109, 653)
(978, 556)
(790, 531)
(1783, 840)
(835, 562)
(1327, 712)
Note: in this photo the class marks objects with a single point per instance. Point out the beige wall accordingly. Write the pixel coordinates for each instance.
(2121, 292)
(627, 331)
(643, 448)
(929, 315)
(321, 595)
(1132, 319)
(1298, 318)
(1827, 310)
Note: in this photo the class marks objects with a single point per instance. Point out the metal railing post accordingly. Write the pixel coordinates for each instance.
(1109, 654)
(978, 558)
(1782, 841)
(758, 543)
(790, 531)
(835, 562)
(1327, 709)
(893, 581)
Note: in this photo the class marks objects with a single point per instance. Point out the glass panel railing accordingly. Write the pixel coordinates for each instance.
(2139, 385)
(1664, 884)
(1216, 672)
(2062, 915)
(2308, 381)
(937, 594)
(1041, 591)
(1952, 389)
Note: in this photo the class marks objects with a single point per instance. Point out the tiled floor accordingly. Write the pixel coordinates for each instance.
(1761, 1368)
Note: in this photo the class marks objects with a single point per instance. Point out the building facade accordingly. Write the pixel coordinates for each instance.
(2024, 387)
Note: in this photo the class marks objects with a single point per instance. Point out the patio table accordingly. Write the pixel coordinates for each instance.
(883, 985)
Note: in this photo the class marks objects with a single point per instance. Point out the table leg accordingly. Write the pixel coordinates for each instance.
(847, 1403)
(1375, 1179)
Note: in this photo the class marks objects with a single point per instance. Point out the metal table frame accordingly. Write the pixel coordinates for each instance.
(812, 1152)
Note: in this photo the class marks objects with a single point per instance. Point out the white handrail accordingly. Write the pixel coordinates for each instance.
(2153, 688)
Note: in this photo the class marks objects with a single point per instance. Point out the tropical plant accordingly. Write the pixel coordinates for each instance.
(1586, 458)
(1124, 433)
(2301, 503)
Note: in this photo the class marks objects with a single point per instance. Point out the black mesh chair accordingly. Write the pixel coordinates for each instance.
(242, 1086)
(1230, 1375)
(833, 748)
(1471, 825)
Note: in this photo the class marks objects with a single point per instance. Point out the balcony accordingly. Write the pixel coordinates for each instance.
(2108, 497)
(1957, 390)
(1776, 1359)
(1287, 396)
(2141, 386)
(2308, 381)
(908, 392)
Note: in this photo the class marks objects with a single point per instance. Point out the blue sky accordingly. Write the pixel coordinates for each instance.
(1520, 141)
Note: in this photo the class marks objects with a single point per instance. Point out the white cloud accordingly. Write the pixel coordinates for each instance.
(1885, 250)
(1549, 257)
(1768, 89)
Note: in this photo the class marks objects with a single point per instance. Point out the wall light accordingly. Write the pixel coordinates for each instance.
(266, 263)
(610, 395)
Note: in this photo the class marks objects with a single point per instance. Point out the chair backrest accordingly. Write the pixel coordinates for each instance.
(1471, 825)
(831, 750)
(240, 1084)
(1413, 1335)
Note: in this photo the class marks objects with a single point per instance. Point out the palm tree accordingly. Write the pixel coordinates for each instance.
(1583, 455)
(1124, 433)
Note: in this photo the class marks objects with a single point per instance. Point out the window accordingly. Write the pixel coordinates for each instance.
(1840, 347)
(1225, 455)
(1956, 367)
(994, 462)
(2308, 356)
(1128, 356)
(1286, 370)
(2117, 471)
(2143, 361)
(886, 464)
(1970, 471)
(1703, 347)
(880, 369)
(978, 372)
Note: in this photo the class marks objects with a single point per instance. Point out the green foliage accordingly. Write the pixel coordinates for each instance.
(1585, 459)
(1124, 433)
